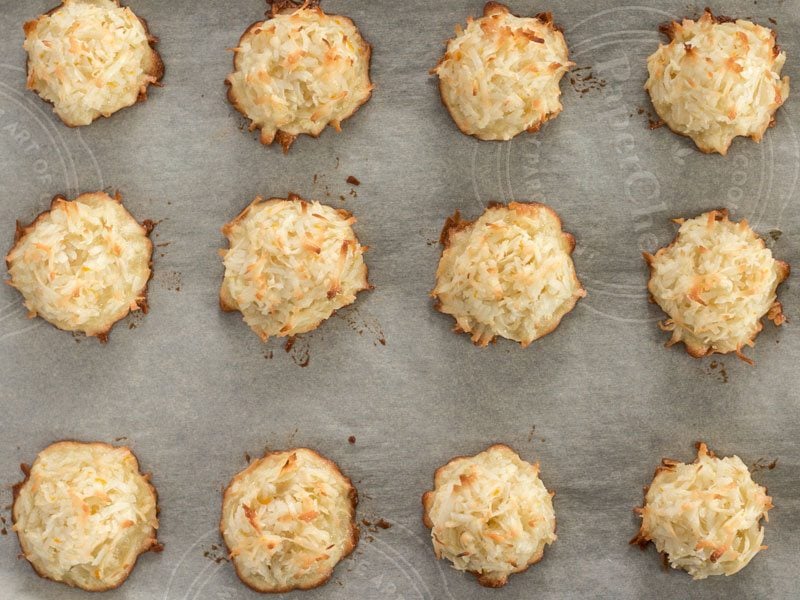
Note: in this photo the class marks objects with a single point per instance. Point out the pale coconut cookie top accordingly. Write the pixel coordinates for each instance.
(507, 274)
(500, 76)
(82, 265)
(490, 514)
(84, 514)
(716, 281)
(90, 58)
(704, 516)
(287, 520)
(298, 72)
(717, 79)
(290, 265)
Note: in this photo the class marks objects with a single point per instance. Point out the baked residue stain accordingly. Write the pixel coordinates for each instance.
(531, 433)
(268, 354)
(216, 554)
(764, 464)
(247, 457)
(653, 120)
(121, 438)
(3, 525)
(375, 525)
(169, 280)
(298, 349)
(290, 438)
(717, 367)
(362, 324)
(583, 80)
(351, 440)
(352, 180)
(135, 319)
(775, 234)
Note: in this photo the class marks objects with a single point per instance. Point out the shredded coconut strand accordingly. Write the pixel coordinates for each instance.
(83, 265)
(287, 520)
(299, 72)
(90, 58)
(509, 273)
(717, 80)
(291, 263)
(716, 281)
(490, 514)
(85, 514)
(705, 516)
(500, 76)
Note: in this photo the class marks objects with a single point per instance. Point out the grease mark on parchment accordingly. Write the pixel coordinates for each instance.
(168, 280)
(216, 553)
(717, 368)
(363, 324)
(583, 80)
(763, 464)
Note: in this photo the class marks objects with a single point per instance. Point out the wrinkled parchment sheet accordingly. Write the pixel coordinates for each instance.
(598, 402)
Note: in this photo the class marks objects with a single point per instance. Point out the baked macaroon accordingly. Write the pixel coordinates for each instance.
(299, 71)
(291, 263)
(490, 514)
(716, 79)
(84, 514)
(716, 281)
(287, 521)
(500, 76)
(507, 274)
(704, 517)
(82, 265)
(90, 58)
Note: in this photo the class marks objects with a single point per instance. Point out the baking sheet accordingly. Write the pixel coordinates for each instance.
(598, 402)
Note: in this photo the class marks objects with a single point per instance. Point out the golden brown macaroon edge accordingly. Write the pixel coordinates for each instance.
(158, 63)
(352, 496)
(147, 228)
(282, 7)
(427, 502)
(774, 314)
(153, 544)
(454, 224)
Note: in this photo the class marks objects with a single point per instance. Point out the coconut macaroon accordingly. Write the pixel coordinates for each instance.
(500, 76)
(90, 58)
(705, 517)
(298, 72)
(288, 519)
(716, 281)
(490, 514)
(84, 514)
(507, 274)
(290, 265)
(82, 265)
(716, 79)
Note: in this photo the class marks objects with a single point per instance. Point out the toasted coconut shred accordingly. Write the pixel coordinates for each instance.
(290, 265)
(705, 516)
(716, 281)
(716, 80)
(82, 265)
(287, 520)
(509, 273)
(500, 76)
(298, 72)
(90, 58)
(84, 514)
(490, 514)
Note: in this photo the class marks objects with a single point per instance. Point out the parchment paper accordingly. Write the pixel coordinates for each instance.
(599, 402)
